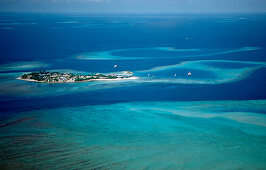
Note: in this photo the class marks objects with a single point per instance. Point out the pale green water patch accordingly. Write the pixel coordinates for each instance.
(157, 135)
(23, 65)
(213, 75)
(113, 54)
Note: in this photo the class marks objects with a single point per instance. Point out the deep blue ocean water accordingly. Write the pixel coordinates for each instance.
(165, 119)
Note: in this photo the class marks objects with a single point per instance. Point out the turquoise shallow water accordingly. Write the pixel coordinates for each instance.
(135, 135)
(165, 119)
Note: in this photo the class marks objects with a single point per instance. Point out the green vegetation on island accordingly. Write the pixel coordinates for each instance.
(57, 77)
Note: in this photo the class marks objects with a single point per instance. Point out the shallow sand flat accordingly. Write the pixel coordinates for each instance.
(138, 135)
(23, 65)
(111, 54)
(202, 72)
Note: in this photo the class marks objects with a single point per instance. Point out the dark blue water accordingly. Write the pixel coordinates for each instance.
(117, 123)
(45, 37)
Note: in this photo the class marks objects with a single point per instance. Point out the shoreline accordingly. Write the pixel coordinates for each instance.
(36, 81)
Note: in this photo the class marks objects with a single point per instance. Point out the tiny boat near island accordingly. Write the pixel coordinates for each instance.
(189, 73)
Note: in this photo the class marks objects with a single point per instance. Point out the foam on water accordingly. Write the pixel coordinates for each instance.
(157, 135)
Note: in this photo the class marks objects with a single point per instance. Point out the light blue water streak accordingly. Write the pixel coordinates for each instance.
(142, 135)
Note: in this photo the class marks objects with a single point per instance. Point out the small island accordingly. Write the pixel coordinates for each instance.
(57, 77)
